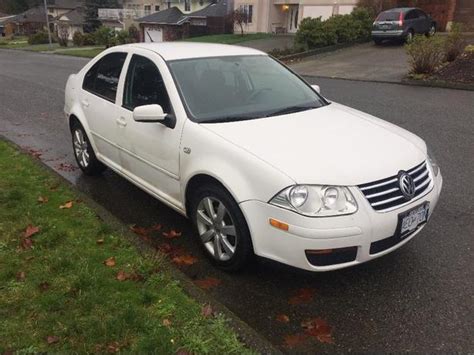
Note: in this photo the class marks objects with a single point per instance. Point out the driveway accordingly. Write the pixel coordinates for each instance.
(386, 63)
(418, 299)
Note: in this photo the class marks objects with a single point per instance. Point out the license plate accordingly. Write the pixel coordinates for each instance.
(410, 220)
(384, 27)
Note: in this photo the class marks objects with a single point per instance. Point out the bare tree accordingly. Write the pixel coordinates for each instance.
(240, 18)
(63, 35)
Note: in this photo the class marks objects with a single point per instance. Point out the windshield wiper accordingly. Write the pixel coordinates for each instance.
(229, 119)
(291, 109)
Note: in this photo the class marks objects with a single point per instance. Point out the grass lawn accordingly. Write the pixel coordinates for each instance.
(80, 52)
(57, 292)
(230, 38)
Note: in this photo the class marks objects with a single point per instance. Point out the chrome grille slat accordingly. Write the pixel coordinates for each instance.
(385, 194)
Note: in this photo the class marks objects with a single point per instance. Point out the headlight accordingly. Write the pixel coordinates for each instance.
(316, 200)
(433, 163)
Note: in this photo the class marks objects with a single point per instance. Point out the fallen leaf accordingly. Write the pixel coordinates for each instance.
(54, 187)
(207, 283)
(35, 153)
(122, 276)
(110, 261)
(20, 276)
(99, 241)
(165, 248)
(183, 351)
(139, 230)
(184, 260)
(290, 341)
(42, 199)
(52, 339)
(30, 231)
(172, 234)
(318, 328)
(44, 286)
(113, 347)
(26, 243)
(206, 311)
(283, 318)
(166, 322)
(65, 167)
(303, 295)
(68, 205)
(155, 227)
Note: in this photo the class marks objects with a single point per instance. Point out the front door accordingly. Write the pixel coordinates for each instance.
(149, 150)
(292, 19)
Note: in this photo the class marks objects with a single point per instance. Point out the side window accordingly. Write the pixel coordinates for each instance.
(421, 14)
(102, 79)
(144, 85)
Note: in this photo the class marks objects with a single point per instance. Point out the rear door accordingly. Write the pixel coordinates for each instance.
(424, 21)
(98, 103)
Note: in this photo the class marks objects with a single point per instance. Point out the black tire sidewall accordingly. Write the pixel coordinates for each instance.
(244, 249)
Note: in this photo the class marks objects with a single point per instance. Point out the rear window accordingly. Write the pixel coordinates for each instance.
(389, 16)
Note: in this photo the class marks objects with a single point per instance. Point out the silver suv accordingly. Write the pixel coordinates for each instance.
(402, 24)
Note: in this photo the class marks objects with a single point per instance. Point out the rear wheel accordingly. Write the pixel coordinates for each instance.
(83, 152)
(221, 227)
(378, 41)
(432, 30)
(410, 36)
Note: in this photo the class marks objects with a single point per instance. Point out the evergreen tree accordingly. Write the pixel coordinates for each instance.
(91, 12)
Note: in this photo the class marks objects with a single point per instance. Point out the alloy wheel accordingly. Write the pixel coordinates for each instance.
(216, 228)
(432, 30)
(81, 148)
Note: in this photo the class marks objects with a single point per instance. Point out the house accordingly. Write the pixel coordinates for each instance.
(172, 24)
(72, 22)
(3, 28)
(26, 23)
(284, 16)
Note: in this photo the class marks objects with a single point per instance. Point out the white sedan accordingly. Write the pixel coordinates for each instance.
(252, 154)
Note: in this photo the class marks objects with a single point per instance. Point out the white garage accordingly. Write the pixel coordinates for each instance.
(153, 34)
(325, 11)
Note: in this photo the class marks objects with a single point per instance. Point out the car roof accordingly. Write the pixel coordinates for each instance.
(186, 50)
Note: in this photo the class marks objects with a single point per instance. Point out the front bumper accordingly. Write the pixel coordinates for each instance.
(353, 234)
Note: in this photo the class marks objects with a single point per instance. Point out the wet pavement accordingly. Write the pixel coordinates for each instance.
(419, 298)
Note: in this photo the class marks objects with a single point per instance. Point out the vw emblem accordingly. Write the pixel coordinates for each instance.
(407, 185)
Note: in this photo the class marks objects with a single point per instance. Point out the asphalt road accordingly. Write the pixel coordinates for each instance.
(419, 298)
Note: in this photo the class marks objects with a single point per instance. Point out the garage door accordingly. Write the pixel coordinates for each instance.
(315, 11)
(153, 35)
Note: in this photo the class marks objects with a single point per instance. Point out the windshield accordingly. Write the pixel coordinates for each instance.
(389, 16)
(234, 88)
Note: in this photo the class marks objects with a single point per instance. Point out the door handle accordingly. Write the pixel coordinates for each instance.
(121, 121)
(85, 103)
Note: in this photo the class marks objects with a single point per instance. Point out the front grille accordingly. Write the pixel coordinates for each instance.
(385, 194)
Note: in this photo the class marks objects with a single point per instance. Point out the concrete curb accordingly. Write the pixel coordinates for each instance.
(438, 84)
(245, 333)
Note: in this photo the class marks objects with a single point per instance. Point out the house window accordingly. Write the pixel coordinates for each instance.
(147, 8)
(157, 8)
(201, 2)
(187, 5)
(248, 11)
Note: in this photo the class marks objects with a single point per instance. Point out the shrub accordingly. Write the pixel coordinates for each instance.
(454, 44)
(123, 37)
(88, 39)
(38, 38)
(104, 36)
(426, 54)
(78, 39)
(313, 33)
(63, 36)
(133, 33)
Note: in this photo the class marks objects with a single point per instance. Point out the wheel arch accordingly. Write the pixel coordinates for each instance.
(79, 118)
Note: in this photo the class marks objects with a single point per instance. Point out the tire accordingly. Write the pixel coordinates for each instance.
(83, 152)
(226, 241)
(378, 41)
(432, 31)
(410, 36)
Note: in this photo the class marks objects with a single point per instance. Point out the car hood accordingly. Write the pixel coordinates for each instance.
(333, 144)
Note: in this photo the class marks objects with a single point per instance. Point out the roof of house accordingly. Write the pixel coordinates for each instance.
(186, 50)
(35, 14)
(74, 17)
(171, 16)
(65, 4)
(3, 15)
(217, 9)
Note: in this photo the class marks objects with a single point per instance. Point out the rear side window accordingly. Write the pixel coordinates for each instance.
(389, 16)
(144, 85)
(102, 79)
(411, 15)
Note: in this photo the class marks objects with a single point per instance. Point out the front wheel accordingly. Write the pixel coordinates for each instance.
(222, 229)
(83, 152)
(410, 36)
(432, 30)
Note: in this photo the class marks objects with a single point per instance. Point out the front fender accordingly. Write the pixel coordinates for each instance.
(244, 175)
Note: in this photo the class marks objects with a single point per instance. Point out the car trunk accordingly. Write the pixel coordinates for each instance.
(390, 20)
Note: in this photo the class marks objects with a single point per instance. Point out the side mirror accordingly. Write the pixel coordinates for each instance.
(149, 113)
(316, 88)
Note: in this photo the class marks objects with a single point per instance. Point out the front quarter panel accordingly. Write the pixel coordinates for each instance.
(244, 175)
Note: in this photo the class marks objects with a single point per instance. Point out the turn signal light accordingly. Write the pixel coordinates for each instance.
(280, 225)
